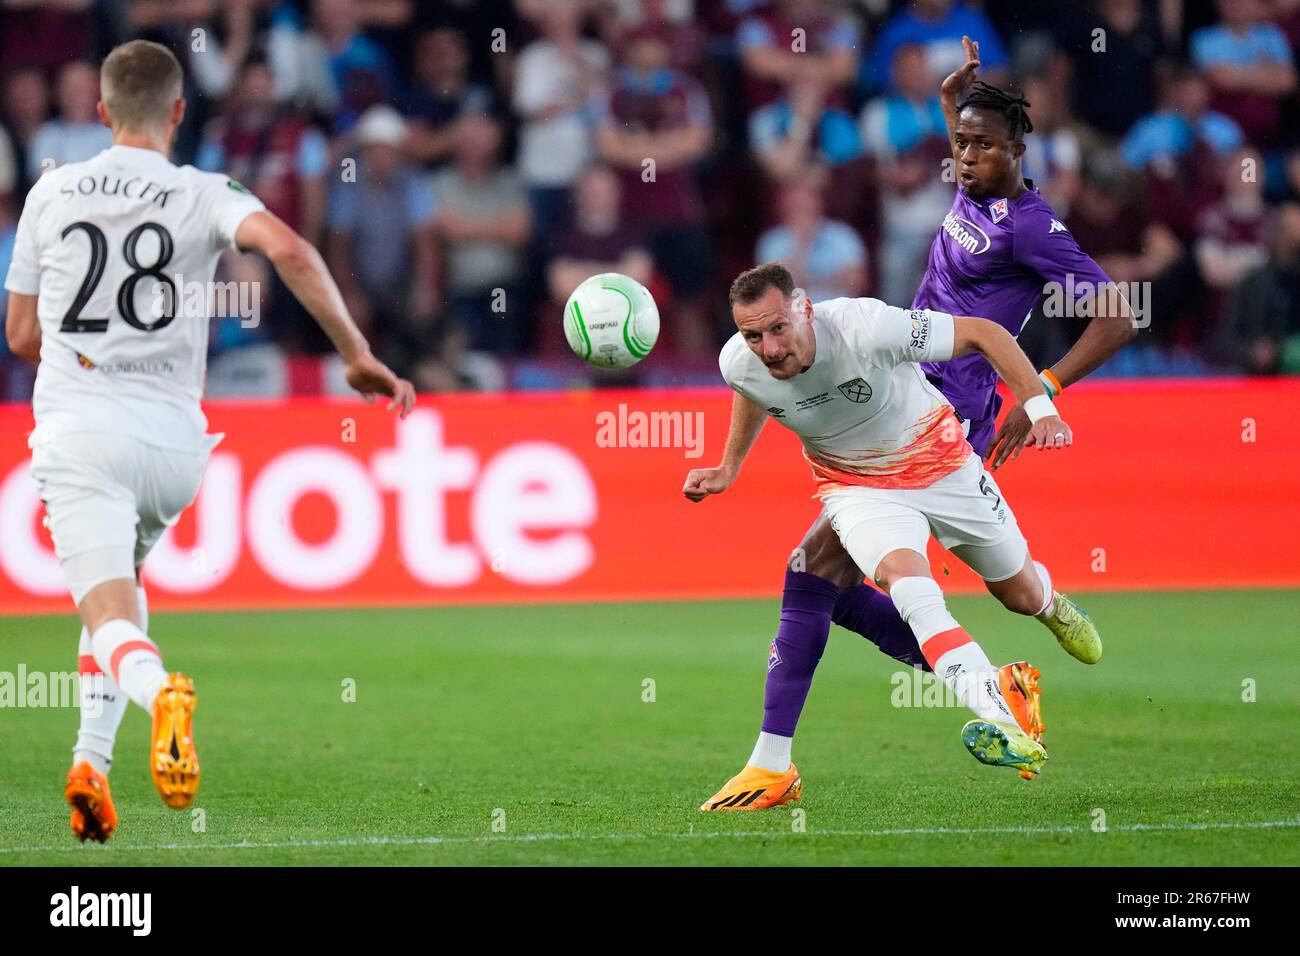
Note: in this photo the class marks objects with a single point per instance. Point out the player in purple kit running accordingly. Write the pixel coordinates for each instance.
(998, 252)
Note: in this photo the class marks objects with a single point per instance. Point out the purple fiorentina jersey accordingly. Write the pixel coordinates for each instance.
(992, 258)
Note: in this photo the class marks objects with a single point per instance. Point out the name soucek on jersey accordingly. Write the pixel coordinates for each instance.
(110, 246)
(864, 409)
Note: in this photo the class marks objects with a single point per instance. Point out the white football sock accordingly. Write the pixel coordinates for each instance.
(102, 702)
(124, 651)
(772, 752)
(1049, 599)
(974, 679)
(964, 667)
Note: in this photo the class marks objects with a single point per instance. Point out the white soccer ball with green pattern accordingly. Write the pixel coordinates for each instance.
(611, 321)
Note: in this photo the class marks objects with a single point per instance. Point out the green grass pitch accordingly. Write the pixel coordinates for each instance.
(467, 721)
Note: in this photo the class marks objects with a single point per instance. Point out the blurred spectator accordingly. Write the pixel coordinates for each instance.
(45, 34)
(598, 239)
(555, 81)
(26, 107)
(381, 234)
(655, 127)
(484, 224)
(795, 40)
(1231, 231)
(1250, 68)
(1173, 130)
(1114, 62)
(1053, 154)
(906, 134)
(798, 129)
(9, 169)
(360, 70)
(77, 134)
(216, 66)
(1131, 248)
(1182, 149)
(1261, 333)
(439, 92)
(827, 258)
(937, 26)
(212, 39)
(272, 150)
(672, 19)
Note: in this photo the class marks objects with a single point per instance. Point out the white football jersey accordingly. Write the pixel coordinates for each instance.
(115, 249)
(865, 411)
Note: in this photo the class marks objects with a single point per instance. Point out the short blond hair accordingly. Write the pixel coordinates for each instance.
(139, 82)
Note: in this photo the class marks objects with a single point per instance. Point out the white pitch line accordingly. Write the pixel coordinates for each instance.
(706, 835)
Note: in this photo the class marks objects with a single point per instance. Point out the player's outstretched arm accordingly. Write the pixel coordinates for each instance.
(1111, 328)
(995, 343)
(22, 327)
(957, 83)
(304, 272)
(747, 420)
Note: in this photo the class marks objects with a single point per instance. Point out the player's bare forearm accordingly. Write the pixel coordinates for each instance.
(996, 344)
(1109, 331)
(304, 272)
(957, 83)
(23, 327)
(747, 421)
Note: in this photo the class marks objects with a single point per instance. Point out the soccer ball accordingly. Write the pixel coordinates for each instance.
(611, 321)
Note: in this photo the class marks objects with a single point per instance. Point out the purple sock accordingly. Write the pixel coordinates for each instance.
(805, 625)
(870, 612)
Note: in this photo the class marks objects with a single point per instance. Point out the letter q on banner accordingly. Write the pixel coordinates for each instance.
(358, 532)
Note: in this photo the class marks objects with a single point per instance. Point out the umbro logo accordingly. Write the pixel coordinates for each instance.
(1057, 226)
(856, 390)
(776, 412)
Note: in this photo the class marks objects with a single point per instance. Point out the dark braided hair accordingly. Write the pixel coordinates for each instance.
(1012, 106)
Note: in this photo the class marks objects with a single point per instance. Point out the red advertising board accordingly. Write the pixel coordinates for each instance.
(562, 497)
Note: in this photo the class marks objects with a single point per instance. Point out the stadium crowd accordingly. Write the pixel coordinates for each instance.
(463, 164)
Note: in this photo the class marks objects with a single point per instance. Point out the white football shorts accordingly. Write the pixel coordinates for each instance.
(965, 510)
(108, 498)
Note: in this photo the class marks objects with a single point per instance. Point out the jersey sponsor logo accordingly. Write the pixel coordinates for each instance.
(966, 234)
(856, 390)
(920, 337)
(1056, 226)
(999, 210)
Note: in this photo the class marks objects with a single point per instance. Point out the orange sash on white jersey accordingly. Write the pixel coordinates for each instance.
(940, 448)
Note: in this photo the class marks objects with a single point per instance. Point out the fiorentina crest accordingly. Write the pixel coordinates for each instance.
(773, 656)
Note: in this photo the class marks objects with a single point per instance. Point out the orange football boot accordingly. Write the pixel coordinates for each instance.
(757, 789)
(93, 814)
(1019, 685)
(173, 761)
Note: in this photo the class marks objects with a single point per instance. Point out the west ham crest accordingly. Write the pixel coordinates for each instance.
(856, 391)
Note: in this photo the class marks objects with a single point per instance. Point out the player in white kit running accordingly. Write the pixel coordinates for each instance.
(120, 443)
(892, 466)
